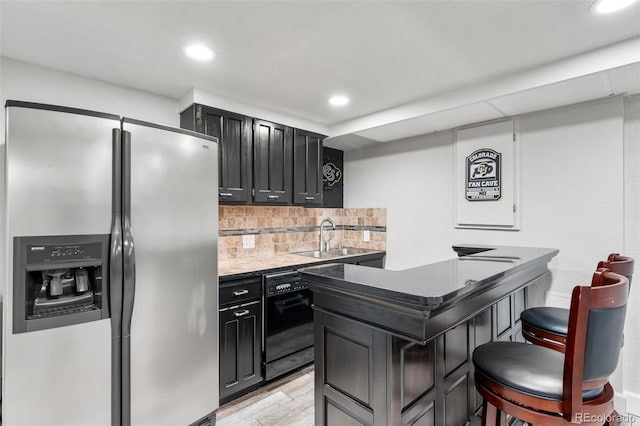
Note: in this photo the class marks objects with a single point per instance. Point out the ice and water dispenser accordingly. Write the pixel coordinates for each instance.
(59, 281)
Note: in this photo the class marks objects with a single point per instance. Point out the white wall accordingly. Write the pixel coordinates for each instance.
(631, 367)
(27, 82)
(413, 180)
(572, 177)
(573, 198)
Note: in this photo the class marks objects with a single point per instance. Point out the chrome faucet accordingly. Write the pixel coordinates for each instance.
(333, 224)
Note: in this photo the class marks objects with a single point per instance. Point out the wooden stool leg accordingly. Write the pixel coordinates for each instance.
(501, 418)
(488, 414)
(491, 416)
(613, 419)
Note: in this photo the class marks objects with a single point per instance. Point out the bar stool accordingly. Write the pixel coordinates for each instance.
(547, 326)
(542, 386)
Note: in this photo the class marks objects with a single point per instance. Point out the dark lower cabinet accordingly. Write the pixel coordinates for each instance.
(240, 354)
(241, 327)
(272, 163)
(307, 164)
(365, 376)
(240, 338)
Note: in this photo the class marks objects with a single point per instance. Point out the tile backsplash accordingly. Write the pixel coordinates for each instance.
(290, 229)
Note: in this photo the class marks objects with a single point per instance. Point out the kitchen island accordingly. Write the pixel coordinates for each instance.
(394, 347)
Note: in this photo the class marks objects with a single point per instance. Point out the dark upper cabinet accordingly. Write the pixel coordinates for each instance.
(307, 168)
(234, 155)
(272, 163)
(261, 162)
(332, 178)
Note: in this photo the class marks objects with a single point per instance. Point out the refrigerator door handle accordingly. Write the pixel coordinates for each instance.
(115, 254)
(129, 278)
(115, 295)
(115, 280)
(128, 244)
(128, 295)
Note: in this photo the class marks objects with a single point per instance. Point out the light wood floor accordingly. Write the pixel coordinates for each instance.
(285, 402)
(288, 402)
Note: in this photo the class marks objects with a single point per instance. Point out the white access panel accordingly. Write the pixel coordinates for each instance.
(502, 212)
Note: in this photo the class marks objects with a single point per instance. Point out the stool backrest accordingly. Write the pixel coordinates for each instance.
(622, 265)
(596, 324)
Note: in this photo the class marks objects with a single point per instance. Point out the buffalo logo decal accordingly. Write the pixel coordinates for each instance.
(331, 174)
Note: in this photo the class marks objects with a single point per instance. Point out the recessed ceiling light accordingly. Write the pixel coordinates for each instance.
(338, 100)
(609, 6)
(199, 52)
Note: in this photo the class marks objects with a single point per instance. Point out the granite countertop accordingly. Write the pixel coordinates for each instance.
(264, 263)
(431, 286)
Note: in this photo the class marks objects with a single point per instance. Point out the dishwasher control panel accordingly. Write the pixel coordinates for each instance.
(283, 282)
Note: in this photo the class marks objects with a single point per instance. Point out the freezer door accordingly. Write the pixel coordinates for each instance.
(58, 182)
(174, 224)
(58, 171)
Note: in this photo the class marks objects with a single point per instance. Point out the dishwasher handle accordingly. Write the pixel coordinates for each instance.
(291, 302)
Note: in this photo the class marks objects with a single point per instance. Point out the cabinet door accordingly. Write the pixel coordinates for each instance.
(240, 348)
(234, 145)
(272, 158)
(234, 162)
(307, 168)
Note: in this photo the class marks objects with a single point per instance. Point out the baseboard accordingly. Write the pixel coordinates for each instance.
(558, 300)
(632, 403)
(620, 402)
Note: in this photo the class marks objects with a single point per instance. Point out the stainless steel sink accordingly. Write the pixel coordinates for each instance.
(318, 254)
(346, 251)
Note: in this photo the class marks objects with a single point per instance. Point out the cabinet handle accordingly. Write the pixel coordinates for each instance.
(309, 198)
(273, 197)
(240, 292)
(226, 194)
(241, 313)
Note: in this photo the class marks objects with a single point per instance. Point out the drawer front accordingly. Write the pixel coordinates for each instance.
(240, 290)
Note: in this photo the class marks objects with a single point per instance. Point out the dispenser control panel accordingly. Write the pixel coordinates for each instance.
(60, 252)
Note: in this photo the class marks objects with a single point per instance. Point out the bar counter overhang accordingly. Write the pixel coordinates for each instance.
(394, 347)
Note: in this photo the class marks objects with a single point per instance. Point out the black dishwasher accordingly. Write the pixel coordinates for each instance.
(288, 323)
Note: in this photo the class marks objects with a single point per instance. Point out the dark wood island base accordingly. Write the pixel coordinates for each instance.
(394, 347)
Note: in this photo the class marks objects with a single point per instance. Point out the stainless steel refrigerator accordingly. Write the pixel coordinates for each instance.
(110, 295)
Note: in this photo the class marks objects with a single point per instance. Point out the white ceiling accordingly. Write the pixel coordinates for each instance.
(619, 80)
(289, 57)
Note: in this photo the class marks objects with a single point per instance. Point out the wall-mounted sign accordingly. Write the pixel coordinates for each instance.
(487, 168)
(483, 175)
